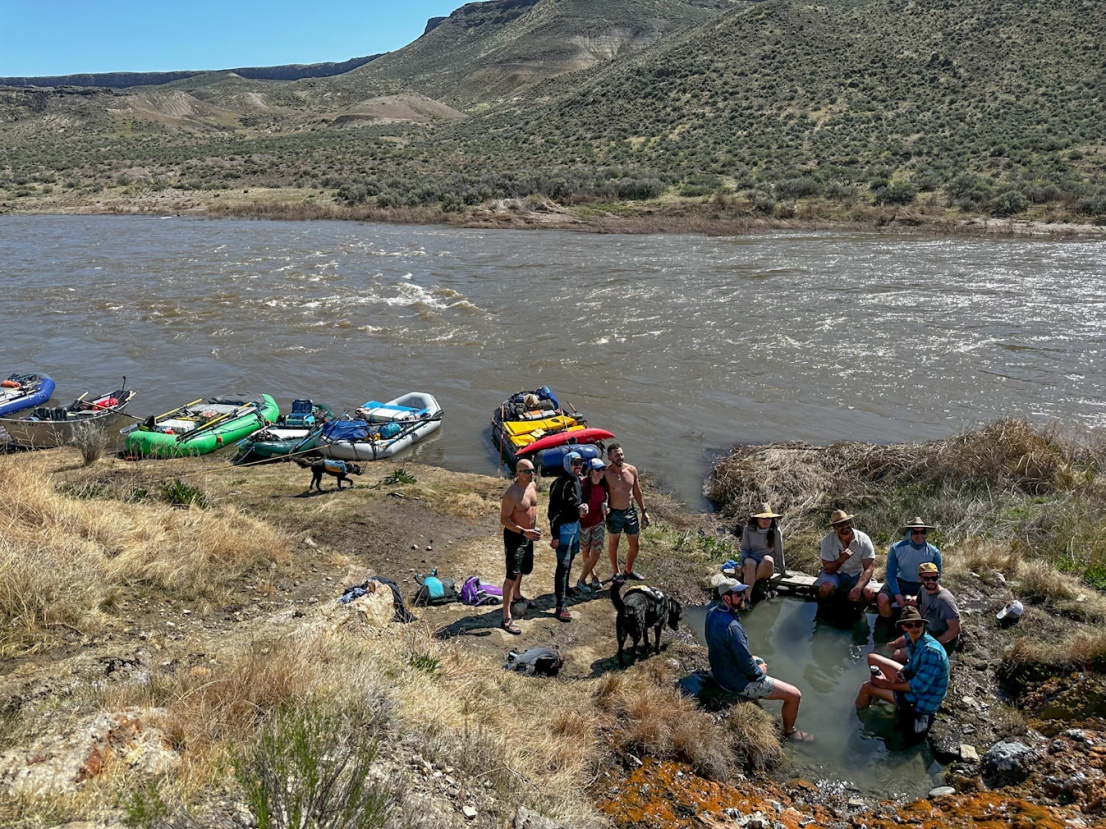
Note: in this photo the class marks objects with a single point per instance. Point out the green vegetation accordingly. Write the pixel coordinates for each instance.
(775, 110)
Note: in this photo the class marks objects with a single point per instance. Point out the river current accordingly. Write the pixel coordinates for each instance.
(681, 345)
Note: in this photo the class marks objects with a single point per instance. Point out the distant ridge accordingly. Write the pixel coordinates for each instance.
(126, 80)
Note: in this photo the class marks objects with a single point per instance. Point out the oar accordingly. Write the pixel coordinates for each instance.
(155, 418)
(207, 427)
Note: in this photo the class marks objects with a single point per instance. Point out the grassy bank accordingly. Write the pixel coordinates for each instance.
(192, 603)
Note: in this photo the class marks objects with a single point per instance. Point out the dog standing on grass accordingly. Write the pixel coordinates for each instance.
(641, 609)
(320, 466)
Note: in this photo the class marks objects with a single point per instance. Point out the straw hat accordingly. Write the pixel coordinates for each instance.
(911, 614)
(839, 516)
(916, 523)
(765, 512)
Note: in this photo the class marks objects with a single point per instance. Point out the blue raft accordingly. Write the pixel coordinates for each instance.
(24, 391)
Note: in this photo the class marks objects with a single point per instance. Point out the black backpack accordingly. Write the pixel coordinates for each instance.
(535, 662)
(435, 590)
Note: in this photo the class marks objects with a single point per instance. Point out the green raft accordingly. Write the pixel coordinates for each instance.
(200, 427)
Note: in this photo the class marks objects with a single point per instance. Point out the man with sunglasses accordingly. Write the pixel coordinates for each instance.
(848, 560)
(900, 587)
(519, 517)
(916, 688)
(938, 607)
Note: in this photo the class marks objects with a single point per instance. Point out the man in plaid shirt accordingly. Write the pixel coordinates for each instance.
(916, 688)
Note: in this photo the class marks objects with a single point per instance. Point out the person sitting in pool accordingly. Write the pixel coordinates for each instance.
(900, 582)
(741, 675)
(938, 608)
(916, 688)
(848, 560)
(761, 548)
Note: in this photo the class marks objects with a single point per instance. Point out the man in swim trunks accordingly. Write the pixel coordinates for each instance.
(624, 487)
(519, 517)
(848, 560)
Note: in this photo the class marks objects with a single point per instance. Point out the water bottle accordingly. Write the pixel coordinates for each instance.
(876, 672)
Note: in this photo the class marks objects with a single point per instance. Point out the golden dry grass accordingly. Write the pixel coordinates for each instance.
(63, 558)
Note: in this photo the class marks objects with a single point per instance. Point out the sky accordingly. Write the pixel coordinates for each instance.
(65, 37)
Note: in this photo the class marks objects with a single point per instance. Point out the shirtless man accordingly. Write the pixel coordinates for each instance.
(519, 517)
(625, 489)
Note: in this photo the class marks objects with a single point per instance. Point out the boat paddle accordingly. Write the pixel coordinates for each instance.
(215, 421)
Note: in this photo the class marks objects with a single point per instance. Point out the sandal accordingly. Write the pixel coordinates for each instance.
(797, 736)
(511, 627)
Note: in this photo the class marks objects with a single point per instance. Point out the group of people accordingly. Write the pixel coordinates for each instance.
(585, 507)
(914, 677)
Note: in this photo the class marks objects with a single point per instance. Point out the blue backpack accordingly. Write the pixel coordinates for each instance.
(435, 590)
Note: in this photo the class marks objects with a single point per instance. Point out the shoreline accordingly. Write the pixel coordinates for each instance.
(661, 217)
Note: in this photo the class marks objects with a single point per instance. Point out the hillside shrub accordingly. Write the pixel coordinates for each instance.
(1008, 203)
(895, 193)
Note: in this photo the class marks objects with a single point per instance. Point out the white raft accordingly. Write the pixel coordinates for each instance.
(389, 428)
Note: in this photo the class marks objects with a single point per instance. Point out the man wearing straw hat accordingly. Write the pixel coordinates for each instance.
(848, 560)
(901, 584)
(761, 548)
(917, 688)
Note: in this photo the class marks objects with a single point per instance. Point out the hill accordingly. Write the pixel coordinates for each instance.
(853, 109)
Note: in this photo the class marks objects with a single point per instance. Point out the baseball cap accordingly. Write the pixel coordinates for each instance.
(726, 586)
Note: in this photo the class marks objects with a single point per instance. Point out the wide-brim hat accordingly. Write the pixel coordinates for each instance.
(765, 512)
(726, 586)
(916, 523)
(838, 516)
(911, 614)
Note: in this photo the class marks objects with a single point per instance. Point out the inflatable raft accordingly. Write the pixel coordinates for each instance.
(200, 427)
(297, 431)
(535, 417)
(381, 430)
(24, 391)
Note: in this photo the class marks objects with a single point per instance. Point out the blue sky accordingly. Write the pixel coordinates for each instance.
(63, 37)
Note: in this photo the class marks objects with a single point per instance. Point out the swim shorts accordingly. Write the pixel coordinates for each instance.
(840, 581)
(519, 554)
(623, 520)
(759, 689)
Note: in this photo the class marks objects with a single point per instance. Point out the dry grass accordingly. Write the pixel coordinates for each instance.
(64, 558)
(1032, 659)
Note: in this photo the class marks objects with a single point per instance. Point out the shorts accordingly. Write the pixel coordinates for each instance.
(518, 553)
(592, 538)
(623, 520)
(757, 557)
(568, 541)
(906, 588)
(913, 723)
(840, 581)
(758, 690)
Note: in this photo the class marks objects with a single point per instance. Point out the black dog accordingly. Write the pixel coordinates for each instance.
(643, 608)
(319, 466)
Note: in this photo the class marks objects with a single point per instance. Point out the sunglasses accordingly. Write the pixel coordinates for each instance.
(930, 578)
(526, 472)
(844, 525)
(912, 625)
(919, 532)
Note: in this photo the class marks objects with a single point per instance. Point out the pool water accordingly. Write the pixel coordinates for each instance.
(860, 752)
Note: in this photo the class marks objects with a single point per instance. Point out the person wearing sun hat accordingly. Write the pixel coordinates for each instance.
(740, 674)
(916, 688)
(848, 561)
(761, 548)
(900, 581)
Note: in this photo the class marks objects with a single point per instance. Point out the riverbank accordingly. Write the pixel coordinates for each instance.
(706, 215)
(162, 620)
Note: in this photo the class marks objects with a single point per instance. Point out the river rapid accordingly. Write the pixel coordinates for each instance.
(681, 345)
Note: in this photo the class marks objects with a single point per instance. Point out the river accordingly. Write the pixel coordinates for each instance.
(681, 345)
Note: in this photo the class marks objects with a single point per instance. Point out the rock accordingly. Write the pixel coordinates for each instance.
(944, 741)
(757, 820)
(469, 812)
(1007, 763)
(968, 753)
(732, 813)
(941, 791)
(526, 819)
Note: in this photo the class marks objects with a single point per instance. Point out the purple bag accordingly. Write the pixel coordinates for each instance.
(476, 592)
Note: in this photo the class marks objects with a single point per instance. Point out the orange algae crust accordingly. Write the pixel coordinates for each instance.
(669, 795)
(663, 794)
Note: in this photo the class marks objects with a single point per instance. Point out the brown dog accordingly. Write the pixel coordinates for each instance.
(320, 466)
(643, 608)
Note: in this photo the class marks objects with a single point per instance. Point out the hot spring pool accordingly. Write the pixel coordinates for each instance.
(856, 751)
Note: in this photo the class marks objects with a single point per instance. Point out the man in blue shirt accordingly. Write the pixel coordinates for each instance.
(900, 581)
(740, 674)
(917, 688)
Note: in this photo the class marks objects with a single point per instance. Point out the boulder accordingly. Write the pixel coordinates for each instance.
(527, 819)
(1007, 763)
